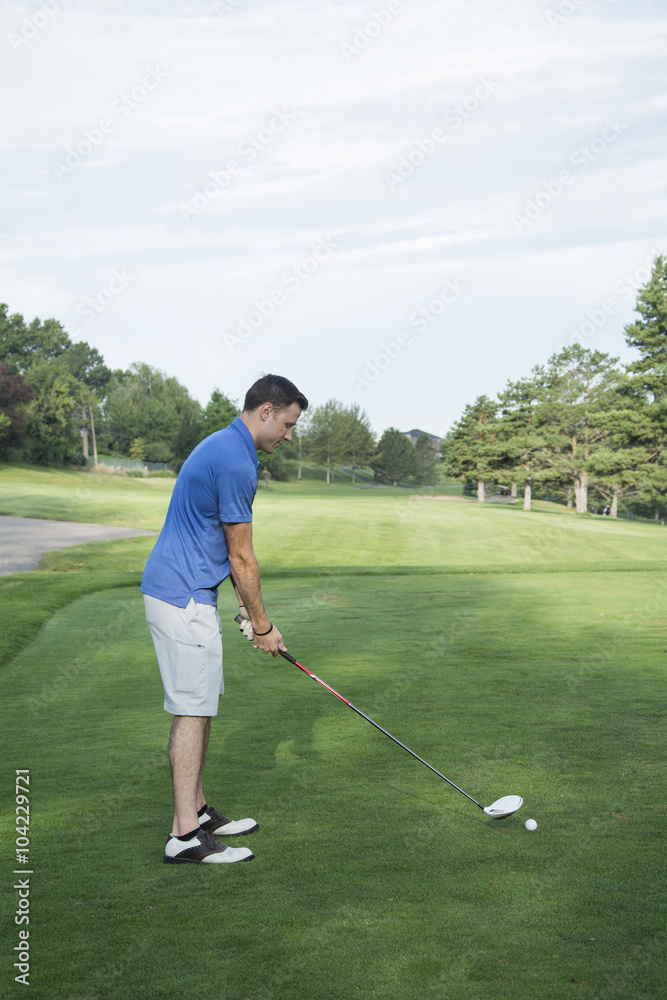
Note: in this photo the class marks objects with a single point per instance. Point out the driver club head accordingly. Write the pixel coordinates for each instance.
(504, 807)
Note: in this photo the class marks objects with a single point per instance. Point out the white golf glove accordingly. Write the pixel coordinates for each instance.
(244, 623)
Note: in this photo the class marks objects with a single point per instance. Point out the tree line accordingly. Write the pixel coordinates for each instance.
(337, 435)
(61, 404)
(580, 427)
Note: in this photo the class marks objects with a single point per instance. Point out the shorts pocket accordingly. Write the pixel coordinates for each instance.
(187, 665)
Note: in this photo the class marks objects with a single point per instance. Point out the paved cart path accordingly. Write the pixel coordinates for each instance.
(24, 540)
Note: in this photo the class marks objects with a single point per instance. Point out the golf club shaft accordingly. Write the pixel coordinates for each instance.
(363, 715)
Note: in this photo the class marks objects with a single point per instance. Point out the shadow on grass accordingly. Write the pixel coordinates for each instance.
(547, 685)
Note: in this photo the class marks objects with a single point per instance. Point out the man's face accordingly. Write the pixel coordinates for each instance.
(278, 427)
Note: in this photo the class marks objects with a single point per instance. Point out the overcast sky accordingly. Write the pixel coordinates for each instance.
(400, 203)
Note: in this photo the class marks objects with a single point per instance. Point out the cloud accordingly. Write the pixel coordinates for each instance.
(211, 146)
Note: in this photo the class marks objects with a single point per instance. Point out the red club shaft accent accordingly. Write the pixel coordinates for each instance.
(315, 678)
(354, 708)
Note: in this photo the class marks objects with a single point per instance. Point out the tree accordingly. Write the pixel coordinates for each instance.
(472, 445)
(156, 408)
(50, 433)
(64, 378)
(571, 416)
(219, 413)
(21, 343)
(138, 450)
(395, 457)
(649, 335)
(296, 450)
(15, 394)
(328, 436)
(87, 366)
(627, 464)
(648, 377)
(299, 439)
(426, 457)
(520, 444)
(358, 447)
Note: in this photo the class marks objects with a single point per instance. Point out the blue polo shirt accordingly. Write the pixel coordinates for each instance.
(217, 483)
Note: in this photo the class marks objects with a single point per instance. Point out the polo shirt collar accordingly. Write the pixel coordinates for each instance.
(247, 439)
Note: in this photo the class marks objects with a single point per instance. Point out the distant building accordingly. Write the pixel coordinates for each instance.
(414, 435)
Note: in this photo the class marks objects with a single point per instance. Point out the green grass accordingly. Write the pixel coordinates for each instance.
(73, 495)
(449, 625)
(343, 526)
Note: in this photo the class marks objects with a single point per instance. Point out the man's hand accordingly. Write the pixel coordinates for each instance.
(244, 623)
(271, 643)
(245, 577)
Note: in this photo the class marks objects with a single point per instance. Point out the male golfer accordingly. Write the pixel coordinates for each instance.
(207, 537)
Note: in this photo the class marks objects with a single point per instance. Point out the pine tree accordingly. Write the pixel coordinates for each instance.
(648, 379)
(328, 436)
(571, 417)
(472, 446)
(219, 413)
(359, 439)
(624, 466)
(649, 335)
(520, 443)
(426, 457)
(395, 457)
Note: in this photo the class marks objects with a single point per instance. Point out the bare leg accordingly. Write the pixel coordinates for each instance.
(187, 751)
(200, 785)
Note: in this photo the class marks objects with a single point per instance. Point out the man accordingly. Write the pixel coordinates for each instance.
(207, 537)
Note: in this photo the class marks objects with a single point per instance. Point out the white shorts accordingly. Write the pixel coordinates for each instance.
(188, 646)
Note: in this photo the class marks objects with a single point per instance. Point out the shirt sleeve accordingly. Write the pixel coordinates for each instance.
(236, 488)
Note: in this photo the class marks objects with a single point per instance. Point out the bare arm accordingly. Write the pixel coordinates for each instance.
(246, 580)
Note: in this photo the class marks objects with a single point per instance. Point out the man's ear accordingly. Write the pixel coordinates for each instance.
(266, 410)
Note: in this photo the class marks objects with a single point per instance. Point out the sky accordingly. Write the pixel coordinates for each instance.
(401, 204)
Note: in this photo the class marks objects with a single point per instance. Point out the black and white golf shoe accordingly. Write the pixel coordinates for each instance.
(202, 848)
(213, 821)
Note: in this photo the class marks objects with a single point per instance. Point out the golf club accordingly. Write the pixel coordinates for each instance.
(502, 807)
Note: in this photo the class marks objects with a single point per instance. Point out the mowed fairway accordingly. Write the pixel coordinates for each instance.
(518, 653)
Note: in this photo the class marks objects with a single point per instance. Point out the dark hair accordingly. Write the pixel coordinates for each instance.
(273, 389)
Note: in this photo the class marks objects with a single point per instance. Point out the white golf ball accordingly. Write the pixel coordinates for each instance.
(531, 824)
